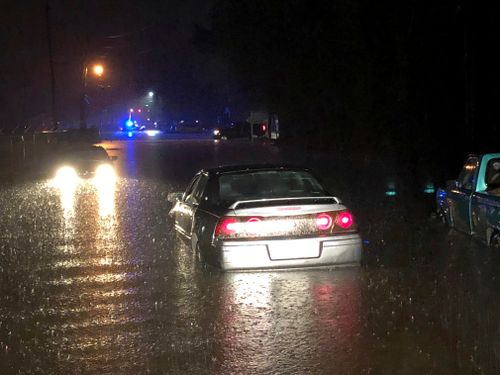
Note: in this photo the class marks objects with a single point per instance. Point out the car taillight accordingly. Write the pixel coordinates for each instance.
(324, 221)
(345, 220)
(231, 226)
(226, 227)
(252, 227)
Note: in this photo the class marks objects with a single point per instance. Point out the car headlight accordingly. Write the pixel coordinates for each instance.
(105, 174)
(66, 176)
(216, 131)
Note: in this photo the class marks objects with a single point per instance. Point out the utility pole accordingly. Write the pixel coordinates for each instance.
(83, 99)
(468, 98)
(51, 65)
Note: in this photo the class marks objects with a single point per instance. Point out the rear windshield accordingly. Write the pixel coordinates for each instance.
(268, 184)
(493, 174)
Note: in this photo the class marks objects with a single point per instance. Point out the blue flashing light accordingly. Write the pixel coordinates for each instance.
(129, 123)
(442, 194)
(130, 134)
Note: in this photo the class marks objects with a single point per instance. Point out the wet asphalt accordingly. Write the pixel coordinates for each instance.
(93, 279)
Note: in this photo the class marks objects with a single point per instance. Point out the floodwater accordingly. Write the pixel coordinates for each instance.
(93, 280)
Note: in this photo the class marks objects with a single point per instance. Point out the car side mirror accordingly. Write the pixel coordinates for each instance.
(114, 158)
(174, 197)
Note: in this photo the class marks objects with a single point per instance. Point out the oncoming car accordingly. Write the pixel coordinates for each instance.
(258, 217)
(83, 162)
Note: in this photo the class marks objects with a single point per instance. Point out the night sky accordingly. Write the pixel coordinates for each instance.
(373, 76)
(144, 45)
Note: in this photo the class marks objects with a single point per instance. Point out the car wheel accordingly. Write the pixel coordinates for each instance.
(495, 241)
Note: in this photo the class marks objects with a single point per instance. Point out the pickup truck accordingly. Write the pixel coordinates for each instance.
(471, 203)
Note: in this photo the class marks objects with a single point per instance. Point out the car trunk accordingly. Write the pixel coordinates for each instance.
(284, 221)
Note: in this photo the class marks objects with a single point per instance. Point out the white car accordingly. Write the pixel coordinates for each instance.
(258, 217)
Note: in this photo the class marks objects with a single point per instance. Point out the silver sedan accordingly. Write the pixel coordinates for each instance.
(258, 217)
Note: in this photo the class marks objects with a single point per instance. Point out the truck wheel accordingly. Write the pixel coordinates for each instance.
(495, 241)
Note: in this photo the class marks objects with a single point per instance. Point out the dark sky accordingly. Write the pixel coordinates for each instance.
(347, 69)
(145, 45)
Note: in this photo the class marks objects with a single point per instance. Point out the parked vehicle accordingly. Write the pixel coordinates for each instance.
(471, 203)
(252, 217)
(235, 130)
(264, 124)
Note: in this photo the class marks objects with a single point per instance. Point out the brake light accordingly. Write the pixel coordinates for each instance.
(230, 226)
(324, 221)
(289, 208)
(251, 227)
(264, 127)
(345, 220)
(226, 227)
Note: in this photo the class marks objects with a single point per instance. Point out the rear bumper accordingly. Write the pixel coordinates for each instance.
(335, 250)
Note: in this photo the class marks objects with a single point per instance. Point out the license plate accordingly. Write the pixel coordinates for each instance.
(295, 249)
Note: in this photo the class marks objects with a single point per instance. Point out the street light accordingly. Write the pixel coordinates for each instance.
(151, 94)
(97, 70)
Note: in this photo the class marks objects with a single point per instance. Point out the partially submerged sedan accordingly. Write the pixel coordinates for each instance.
(257, 217)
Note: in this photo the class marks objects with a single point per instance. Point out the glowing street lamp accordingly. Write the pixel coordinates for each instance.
(98, 70)
(151, 94)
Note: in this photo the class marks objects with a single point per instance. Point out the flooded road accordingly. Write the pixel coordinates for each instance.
(94, 280)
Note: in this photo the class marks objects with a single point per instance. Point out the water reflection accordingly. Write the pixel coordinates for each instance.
(67, 193)
(98, 280)
(106, 190)
(286, 321)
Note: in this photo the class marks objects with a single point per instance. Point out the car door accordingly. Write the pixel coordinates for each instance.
(481, 204)
(192, 201)
(480, 210)
(461, 194)
(182, 208)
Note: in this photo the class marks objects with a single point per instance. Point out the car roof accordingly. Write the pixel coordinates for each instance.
(227, 169)
(84, 152)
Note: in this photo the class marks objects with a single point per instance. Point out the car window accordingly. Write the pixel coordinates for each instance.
(268, 184)
(190, 188)
(467, 178)
(198, 189)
